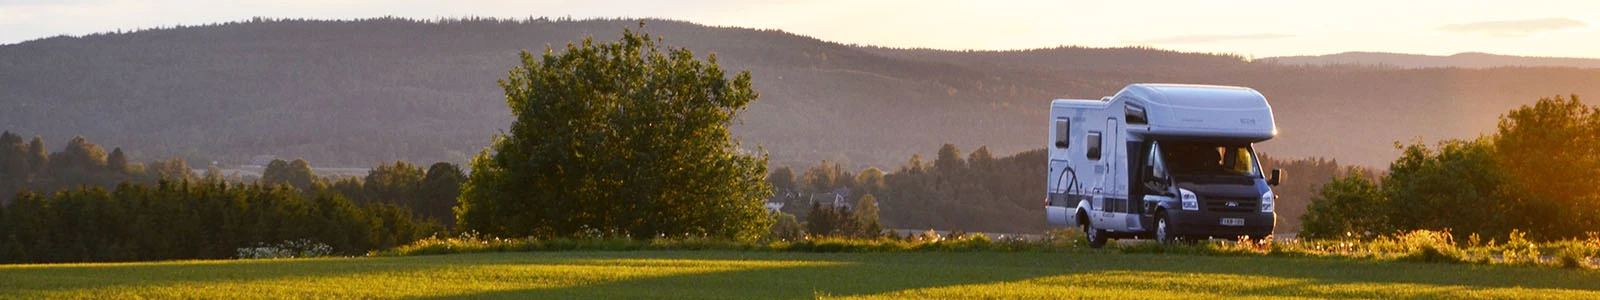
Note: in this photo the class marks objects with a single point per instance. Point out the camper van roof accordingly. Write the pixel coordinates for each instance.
(1195, 95)
(1202, 110)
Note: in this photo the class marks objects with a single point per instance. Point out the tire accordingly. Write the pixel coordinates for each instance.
(1163, 230)
(1097, 237)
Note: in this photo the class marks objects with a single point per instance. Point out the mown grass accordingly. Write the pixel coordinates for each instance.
(1416, 246)
(794, 275)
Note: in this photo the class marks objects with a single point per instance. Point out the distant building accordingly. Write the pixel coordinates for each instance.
(839, 198)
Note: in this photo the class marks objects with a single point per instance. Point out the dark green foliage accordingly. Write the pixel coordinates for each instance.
(296, 174)
(80, 156)
(782, 180)
(993, 195)
(276, 172)
(395, 183)
(824, 177)
(619, 139)
(161, 211)
(949, 162)
(30, 167)
(172, 169)
(1540, 173)
(1454, 186)
(827, 220)
(1299, 187)
(785, 227)
(1346, 207)
(439, 191)
(1550, 152)
(865, 217)
(118, 161)
(13, 155)
(190, 220)
(38, 158)
(429, 194)
(870, 182)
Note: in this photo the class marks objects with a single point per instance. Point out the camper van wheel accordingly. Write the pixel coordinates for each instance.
(1097, 237)
(1163, 234)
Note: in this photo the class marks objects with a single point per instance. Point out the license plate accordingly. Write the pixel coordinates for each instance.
(1232, 222)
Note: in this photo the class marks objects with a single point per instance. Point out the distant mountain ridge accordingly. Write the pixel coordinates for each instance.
(1459, 60)
(356, 93)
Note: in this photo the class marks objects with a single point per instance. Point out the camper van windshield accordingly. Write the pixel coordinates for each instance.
(1210, 159)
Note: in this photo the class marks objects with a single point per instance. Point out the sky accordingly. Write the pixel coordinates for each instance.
(1569, 28)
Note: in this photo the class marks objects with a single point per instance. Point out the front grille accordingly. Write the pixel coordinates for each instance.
(1220, 204)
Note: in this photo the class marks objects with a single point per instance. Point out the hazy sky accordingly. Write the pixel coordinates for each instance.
(1251, 28)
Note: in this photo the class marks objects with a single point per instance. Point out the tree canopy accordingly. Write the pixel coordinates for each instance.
(620, 138)
(1540, 174)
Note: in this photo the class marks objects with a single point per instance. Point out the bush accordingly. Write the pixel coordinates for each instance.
(621, 137)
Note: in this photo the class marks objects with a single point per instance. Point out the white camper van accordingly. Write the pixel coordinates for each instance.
(1162, 161)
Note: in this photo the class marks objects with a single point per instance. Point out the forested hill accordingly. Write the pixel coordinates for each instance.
(355, 93)
(1458, 60)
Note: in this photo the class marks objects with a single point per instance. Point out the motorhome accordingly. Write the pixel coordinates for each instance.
(1162, 161)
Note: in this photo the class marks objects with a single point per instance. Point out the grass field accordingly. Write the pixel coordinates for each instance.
(770, 275)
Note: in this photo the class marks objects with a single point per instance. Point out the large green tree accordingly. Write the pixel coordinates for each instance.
(620, 138)
(1550, 152)
(1455, 186)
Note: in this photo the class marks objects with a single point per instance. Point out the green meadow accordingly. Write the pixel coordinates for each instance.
(793, 275)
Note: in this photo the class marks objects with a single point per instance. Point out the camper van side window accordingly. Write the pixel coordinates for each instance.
(1135, 115)
(1062, 133)
(1094, 145)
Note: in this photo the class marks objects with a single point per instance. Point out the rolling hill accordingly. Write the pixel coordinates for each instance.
(1459, 60)
(355, 93)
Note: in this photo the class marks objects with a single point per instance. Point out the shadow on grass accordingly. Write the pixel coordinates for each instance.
(884, 273)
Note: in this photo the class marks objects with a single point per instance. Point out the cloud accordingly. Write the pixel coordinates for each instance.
(1514, 28)
(1214, 38)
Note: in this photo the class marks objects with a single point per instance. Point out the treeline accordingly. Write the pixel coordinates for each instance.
(1539, 174)
(81, 204)
(204, 219)
(1301, 178)
(979, 192)
(430, 193)
(28, 166)
(973, 192)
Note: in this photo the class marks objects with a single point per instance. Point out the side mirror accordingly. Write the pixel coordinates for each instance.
(1277, 177)
(1149, 172)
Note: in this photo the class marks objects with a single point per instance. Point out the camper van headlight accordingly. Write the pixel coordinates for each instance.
(1189, 201)
(1266, 201)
